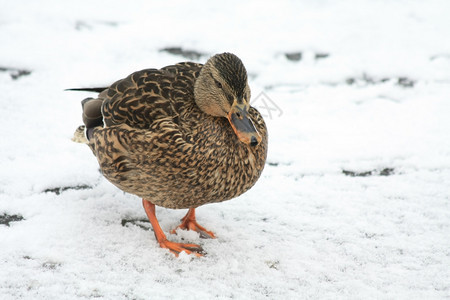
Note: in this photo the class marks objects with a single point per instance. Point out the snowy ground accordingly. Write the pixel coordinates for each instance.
(354, 200)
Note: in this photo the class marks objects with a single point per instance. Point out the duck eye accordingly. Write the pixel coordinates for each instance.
(218, 84)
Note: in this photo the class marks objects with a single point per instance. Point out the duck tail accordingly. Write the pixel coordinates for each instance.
(79, 136)
(94, 90)
(92, 117)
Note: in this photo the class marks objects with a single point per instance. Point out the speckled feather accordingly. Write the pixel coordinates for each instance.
(157, 144)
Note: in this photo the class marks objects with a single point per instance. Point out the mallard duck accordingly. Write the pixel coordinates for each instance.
(179, 137)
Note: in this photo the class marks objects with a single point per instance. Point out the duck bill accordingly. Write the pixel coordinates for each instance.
(242, 125)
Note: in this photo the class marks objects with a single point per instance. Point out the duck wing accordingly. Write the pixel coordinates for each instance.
(150, 95)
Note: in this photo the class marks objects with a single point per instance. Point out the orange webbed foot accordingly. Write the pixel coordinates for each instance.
(190, 223)
(175, 248)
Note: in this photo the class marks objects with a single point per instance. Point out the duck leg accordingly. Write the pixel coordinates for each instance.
(175, 248)
(190, 223)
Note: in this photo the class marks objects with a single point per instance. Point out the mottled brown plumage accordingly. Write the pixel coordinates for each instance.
(163, 135)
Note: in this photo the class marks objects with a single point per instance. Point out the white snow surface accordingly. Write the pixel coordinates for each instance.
(306, 230)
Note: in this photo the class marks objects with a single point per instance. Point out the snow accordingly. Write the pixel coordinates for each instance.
(378, 104)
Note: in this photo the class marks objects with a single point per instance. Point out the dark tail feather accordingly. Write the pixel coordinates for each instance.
(92, 114)
(94, 90)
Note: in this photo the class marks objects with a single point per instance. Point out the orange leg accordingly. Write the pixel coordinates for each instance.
(189, 223)
(175, 248)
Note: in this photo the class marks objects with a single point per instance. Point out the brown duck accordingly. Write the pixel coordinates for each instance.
(178, 137)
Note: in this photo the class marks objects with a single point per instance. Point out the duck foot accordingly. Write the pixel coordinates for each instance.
(175, 248)
(190, 223)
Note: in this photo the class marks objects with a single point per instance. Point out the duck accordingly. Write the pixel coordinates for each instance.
(178, 137)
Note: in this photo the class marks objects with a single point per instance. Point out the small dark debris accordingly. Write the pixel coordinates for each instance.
(5, 219)
(368, 80)
(191, 54)
(136, 222)
(369, 235)
(406, 82)
(321, 55)
(273, 264)
(350, 81)
(387, 172)
(15, 73)
(383, 172)
(51, 265)
(365, 80)
(276, 163)
(59, 190)
(294, 56)
(357, 174)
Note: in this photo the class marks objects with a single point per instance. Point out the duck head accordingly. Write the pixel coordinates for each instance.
(222, 90)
